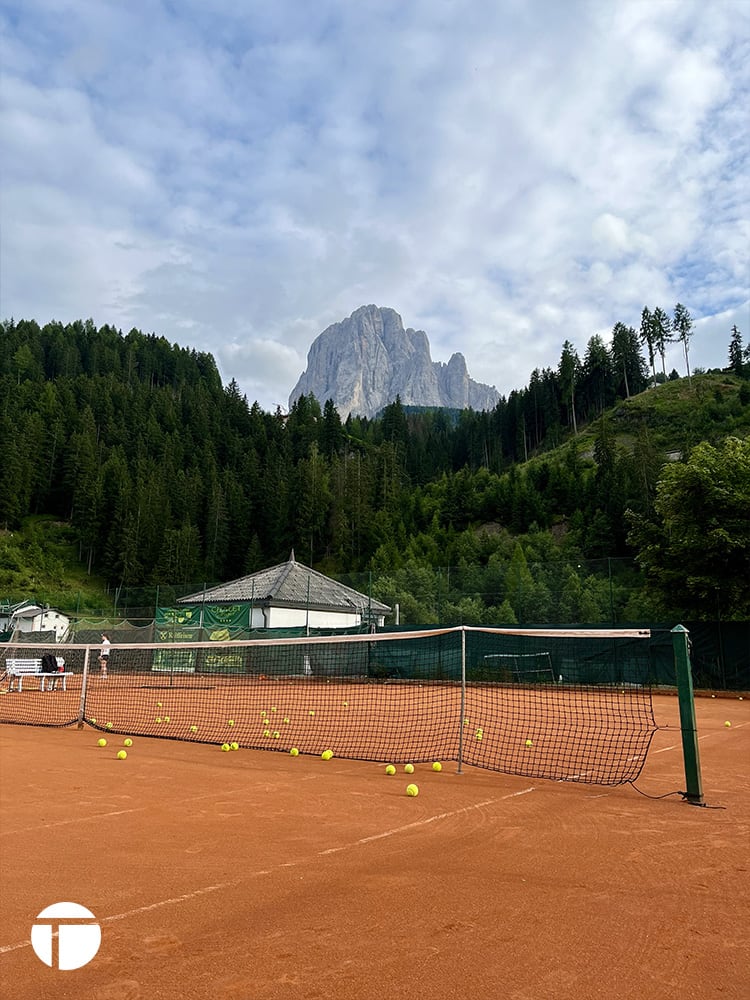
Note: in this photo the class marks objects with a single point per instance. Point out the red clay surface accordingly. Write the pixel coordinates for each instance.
(251, 875)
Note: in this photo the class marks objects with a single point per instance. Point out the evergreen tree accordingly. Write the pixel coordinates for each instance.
(735, 352)
(682, 325)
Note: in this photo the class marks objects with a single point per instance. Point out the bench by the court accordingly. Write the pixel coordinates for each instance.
(18, 668)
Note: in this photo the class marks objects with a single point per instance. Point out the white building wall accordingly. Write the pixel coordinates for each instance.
(300, 617)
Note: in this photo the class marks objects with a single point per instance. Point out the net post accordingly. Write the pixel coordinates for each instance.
(84, 686)
(690, 753)
(463, 701)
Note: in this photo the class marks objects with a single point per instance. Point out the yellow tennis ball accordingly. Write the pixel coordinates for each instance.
(122, 754)
(727, 723)
(437, 766)
(158, 718)
(390, 769)
(327, 754)
(93, 722)
(108, 726)
(294, 752)
(276, 734)
(158, 704)
(234, 746)
(479, 737)
(231, 722)
(266, 732)
(273, 708)
(167, 718)
(127, 743)
(412, 791)
(345, 704)
(409, 768)
(312, 711)
(225, 747)
(529, 743)
(286, 719)
(101, 743)
(193, 729)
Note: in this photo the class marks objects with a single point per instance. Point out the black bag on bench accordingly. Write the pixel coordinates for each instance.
(49, 664)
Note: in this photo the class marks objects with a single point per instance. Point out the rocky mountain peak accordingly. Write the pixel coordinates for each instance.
(365, 361)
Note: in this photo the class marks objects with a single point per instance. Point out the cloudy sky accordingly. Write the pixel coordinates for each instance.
(506, 175)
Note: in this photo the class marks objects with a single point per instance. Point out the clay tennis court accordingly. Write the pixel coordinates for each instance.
(253, 874)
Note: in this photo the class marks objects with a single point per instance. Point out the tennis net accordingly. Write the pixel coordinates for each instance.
(571, 705)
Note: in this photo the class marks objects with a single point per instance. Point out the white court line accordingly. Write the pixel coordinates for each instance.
(206, 890)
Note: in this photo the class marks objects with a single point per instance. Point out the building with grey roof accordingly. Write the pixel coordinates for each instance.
(292, 595)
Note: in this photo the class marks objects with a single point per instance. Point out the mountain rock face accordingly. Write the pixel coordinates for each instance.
(367, 360)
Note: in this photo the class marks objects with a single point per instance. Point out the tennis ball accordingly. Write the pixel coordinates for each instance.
(158, 704)
(225, 747)
(286, 720)
(230, 723)
(727, 723)
(345, 704)
(167, 718)
(466, 722)
(294, 752)
(529, 743)
(193, 729)
(312, 712)
(122, 754)
(93, 722)
(274, 709)
(101, 743)
(234, 746)
(412, 791)
(409, 768)
(479, 737)
(127, 743)
(713, 696)
(158, 718)
(390, 769)
(437, 766)
(266, 732)
(327, 754)
(108, 726)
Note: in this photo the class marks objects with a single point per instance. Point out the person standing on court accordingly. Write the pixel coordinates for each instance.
(104, 654)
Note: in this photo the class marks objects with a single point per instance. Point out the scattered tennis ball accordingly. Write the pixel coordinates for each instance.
(327, 754)
(158, 718)
(93, 722)
(158, 704)
(409, 768)
(294, 752)
(345, 704)
(122, 754)
(286, 720)
(193, 729)
(312, 711)
(412, 791)
(390, 769)
(529, 743)
(466, 722)
(274, 709)
(225, 747)
(101, 743)
(713, 696)
(263, 714)
(266, 732)
(127, 743)
(276, 734)
(727, 723)
(741, 698)
(234, 746)
(108, 726)
(167, 718)
(437, 766)
(230, 722)
(479, 736)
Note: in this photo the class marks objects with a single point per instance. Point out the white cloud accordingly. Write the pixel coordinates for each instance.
(506, 176)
